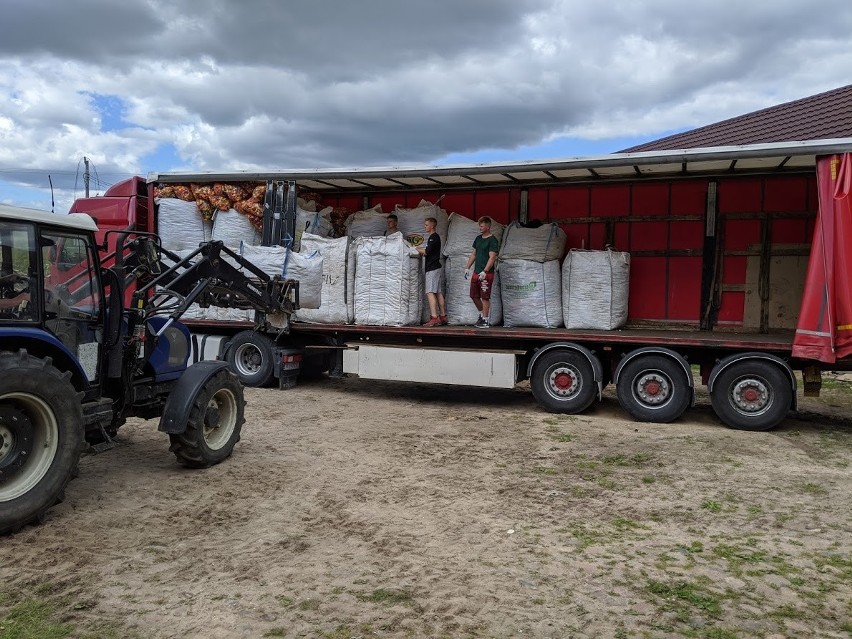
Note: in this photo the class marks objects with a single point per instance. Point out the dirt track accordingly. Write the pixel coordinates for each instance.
(360, 509)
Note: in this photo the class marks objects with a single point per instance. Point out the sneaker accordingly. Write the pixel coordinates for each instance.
(481, 323)
(443, 319)
(435, 321)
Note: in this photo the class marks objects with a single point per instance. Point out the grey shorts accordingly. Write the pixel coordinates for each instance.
(435, 281)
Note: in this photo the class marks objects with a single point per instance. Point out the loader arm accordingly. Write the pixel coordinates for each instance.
(167, 284)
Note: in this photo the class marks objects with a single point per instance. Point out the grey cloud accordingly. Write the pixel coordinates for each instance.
(265, 83)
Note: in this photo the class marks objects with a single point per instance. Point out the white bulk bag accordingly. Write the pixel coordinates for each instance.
(233, 228)
(462, 231)
(315, 223)
(595, 287)
(180, 225)
(368, 223)
(388, 283)
(531, 293)
(540, 244)
(338, 280)
(411, 222)
(460, 308)
(269, 259)
(307, 269)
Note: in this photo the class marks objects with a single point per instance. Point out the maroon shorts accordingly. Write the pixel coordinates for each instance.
(476, 289)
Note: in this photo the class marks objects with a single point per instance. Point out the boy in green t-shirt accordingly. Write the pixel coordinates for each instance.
(483, 258)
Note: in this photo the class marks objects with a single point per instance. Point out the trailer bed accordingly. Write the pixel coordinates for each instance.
(778, 342)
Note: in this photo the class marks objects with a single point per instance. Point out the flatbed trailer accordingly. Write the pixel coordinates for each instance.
(725, 249)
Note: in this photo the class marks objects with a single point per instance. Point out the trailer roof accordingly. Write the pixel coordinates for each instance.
(752, 158)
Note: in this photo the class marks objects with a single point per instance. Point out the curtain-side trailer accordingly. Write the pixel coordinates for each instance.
(734, 276)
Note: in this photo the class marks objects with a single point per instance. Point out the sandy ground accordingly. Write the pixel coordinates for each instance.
(362, 509)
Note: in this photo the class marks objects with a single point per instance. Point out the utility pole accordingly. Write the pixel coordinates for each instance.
(86, 174)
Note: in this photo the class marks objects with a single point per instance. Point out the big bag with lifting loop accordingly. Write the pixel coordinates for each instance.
(595, 288)
(537, 244)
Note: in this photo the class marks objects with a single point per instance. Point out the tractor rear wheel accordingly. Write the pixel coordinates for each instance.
(41, 437)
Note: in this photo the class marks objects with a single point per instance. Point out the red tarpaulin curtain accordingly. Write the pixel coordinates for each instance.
(824, 331)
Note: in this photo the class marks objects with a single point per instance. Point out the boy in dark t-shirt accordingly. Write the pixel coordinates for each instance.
(434, 274)
(484, 259)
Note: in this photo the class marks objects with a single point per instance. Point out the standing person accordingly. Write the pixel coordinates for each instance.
(483, 258)
(434, 274)
(393, 223)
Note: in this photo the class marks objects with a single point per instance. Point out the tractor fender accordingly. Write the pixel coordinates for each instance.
(179, 404)
(41, 343)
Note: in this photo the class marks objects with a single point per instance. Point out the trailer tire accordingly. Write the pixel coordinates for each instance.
(752, 395)
(214, 425)
(563, 381)
(250, 357)
(653, 388)
(41, 437)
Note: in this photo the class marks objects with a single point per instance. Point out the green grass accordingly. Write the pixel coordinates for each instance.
(32, 619)
(694, 547)
(712, 506)
(387, 597)
(737, 556)
(679, 593)
(545, 470)
(814, 489)
(309, 604)
(638, 459)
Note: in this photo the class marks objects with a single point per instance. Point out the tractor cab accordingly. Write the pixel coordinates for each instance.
(50, 283)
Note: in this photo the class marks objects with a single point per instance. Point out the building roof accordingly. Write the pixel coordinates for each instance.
(817, 117)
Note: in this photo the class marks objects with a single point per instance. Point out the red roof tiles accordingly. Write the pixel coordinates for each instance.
(817, 117)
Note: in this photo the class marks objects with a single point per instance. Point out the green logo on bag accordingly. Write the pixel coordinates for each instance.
(415, 239)
(521, 288)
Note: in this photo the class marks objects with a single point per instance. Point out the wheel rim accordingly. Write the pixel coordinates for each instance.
(29, 440)
(248, 359)
(751, 395)
(563, 381)
(652, 389)
(220, 418)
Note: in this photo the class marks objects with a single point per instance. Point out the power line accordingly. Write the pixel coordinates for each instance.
(61, 172)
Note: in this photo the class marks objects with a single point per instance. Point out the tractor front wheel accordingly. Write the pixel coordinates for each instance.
(214, 424)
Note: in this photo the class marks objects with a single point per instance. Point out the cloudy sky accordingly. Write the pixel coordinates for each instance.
(143, 85)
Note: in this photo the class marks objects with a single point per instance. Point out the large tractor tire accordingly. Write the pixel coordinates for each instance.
(249, 355)
(41, 438)
(214, 424)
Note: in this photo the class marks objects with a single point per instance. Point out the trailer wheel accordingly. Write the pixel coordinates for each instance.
(249, 356)
(752, 395)
(653, 389)
(41, 438)
(214, 424)
(563, 382)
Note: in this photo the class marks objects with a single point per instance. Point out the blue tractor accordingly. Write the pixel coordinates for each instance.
(90, 335)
